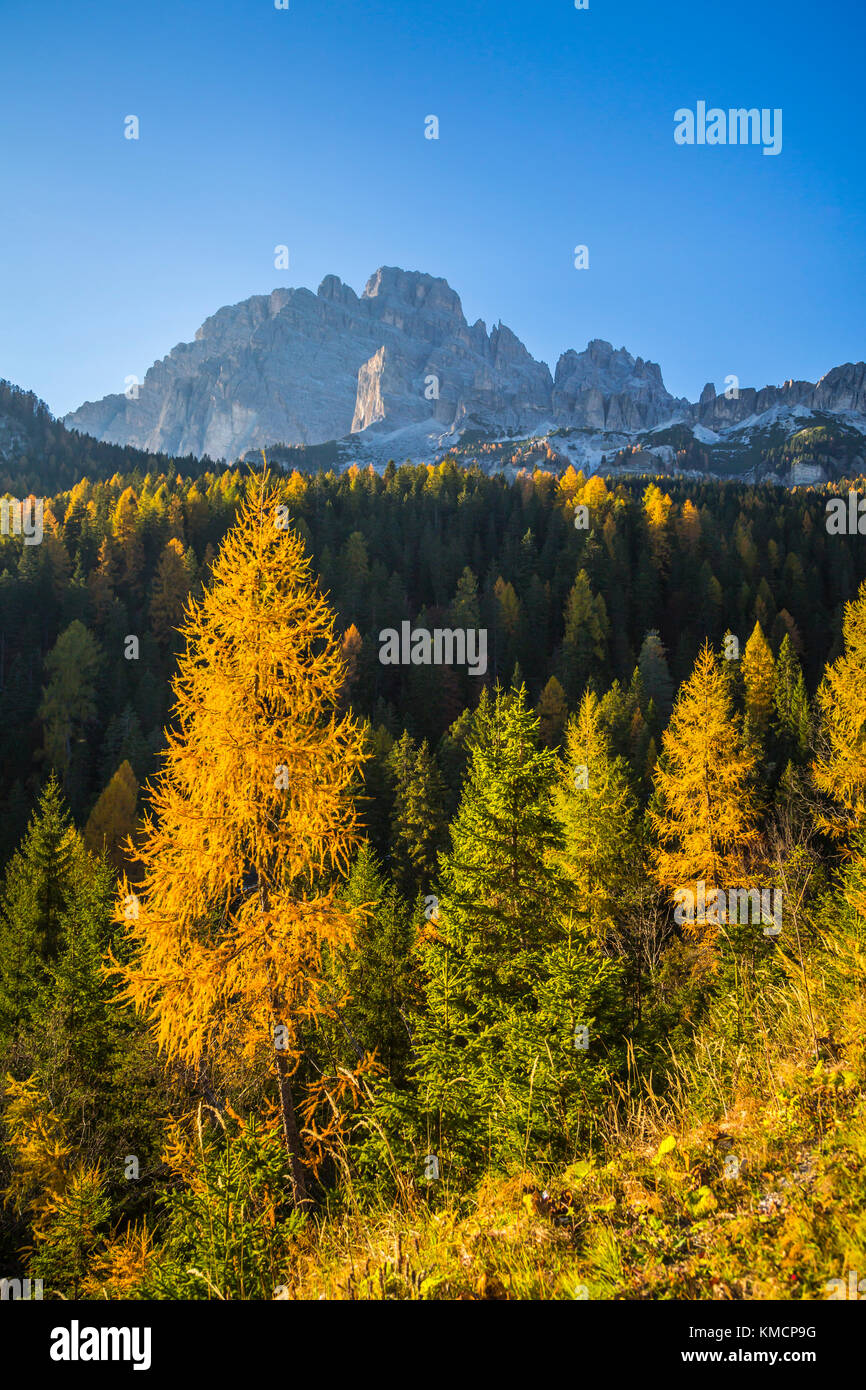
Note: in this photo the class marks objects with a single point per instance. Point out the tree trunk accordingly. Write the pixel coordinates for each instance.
(303, 1200)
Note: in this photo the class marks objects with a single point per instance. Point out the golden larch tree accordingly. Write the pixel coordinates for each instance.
(840, 766)
(101, 580)
(112, 820)
(657, 508)
(593, 492)
(352, 647)
(597, 811)
(704, 815)
(759, 681)
(570, 483)
(552, 713)
(688, 526)
(124, 523)
(509, 605)
(252, 813)
(171, 587)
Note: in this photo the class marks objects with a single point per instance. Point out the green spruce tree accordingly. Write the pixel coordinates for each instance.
(511, 979)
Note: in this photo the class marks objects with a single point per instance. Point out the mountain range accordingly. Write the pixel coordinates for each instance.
(399, 372)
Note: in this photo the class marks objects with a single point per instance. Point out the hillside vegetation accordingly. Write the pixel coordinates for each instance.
(322, 977)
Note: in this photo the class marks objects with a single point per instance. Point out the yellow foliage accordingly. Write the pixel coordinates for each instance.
(509, 605)
(688, 525)
(705, 819)
(296, 489)
(40, 1156)
(840, 768)
(759, 678)
(112, 819)
(570, 483)
(657, 506)
(252, 806)
(593, 492)
(665, 1147)
(118, 1269)
(170, 589)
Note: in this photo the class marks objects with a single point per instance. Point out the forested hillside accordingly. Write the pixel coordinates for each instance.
(566, 606)
(38, 453)
(320, 975)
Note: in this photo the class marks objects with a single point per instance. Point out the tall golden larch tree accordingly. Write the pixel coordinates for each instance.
(552, 714)
(688, 525)
(840, 766)
(704, 815)
(171, 585)
(112, 820)
(759, 681)
(657, 508)
(102, 579)
(251, 813)
(597, 811)
(125, 528)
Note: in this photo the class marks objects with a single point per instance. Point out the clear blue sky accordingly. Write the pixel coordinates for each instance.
(306, 127)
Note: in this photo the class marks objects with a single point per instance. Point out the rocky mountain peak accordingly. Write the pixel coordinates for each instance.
(841, 389)
(606, 388)
(506, 347)
(413, 289)
(294, 367)
(844, 386)
(335, 291)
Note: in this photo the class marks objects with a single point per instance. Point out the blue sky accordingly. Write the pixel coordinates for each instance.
(306, 127)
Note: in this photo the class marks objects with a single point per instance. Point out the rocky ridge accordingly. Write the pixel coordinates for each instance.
(399, 369)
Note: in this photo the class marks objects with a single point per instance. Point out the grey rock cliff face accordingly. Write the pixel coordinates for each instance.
(297, 368)
(842, 389)
(607, 389)
(294, 367)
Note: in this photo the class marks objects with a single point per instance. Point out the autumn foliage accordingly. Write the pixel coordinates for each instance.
(250, 813)
(704, 815)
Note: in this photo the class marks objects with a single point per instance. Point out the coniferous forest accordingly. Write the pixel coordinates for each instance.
(327, 977)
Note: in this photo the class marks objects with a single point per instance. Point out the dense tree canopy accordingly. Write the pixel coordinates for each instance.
(400, 934)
